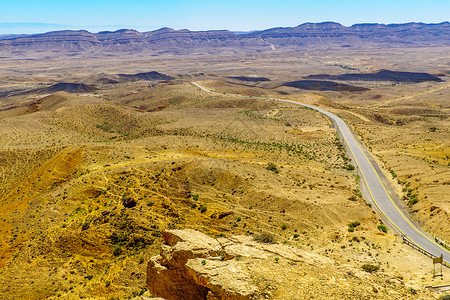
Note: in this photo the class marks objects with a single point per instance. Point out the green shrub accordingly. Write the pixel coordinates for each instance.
(272, 167)
(382, 228)
(117, 250)
(350, 167)
(370, 268)
(353, 198)
(296, 235)
(195, 197)
(283, 227)
(203, 209)
(354, 224)
(266, 238)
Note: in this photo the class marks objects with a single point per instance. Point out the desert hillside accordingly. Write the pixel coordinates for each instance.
(97, 165)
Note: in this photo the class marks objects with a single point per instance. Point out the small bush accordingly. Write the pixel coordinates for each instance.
(203, 209)
(352, 198)
(195, 197)
(382, 228)
(445, 297)
(350, 167)
(413, 201)
(117, 250)
(354, 224)
(266, 238)
(296, 235)
(283, 227)
(370, 268)
(272, 167)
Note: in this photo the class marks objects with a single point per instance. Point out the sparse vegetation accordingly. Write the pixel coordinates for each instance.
(117, 250)
(352, 226)
(370, 268)
(272, 167)
(141, 144)
(350, 167)
(382, 228)
(266, 238)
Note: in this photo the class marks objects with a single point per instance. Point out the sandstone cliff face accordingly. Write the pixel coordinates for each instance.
(193, 265)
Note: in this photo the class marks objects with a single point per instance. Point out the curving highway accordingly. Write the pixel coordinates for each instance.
(376, 185)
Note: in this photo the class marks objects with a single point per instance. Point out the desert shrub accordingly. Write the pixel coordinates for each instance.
(195, 197)
(272, 167)
(370, 268)
(283, 227)
(296, 235)
(382, 228)
(117, 250)
(354, 224)
(413, 201)
(203, 208)
(350, 167)
(266, 238)
(445, 297)
(352, 198)
(355, 239)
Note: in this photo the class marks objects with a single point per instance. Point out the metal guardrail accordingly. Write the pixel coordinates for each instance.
(442, 243)
(414, 246)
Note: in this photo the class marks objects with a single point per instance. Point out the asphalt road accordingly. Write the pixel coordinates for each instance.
(375, 183)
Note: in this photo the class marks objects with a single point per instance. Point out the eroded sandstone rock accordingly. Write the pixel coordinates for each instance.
(193, 265)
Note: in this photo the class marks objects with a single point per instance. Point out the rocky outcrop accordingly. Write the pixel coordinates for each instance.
(193, 265)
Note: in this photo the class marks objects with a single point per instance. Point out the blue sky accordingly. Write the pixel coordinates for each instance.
(201, 14)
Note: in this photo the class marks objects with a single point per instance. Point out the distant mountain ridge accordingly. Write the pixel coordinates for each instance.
(166, 40)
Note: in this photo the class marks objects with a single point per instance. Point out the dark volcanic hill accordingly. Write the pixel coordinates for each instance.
(152, 76)
(383, 75)
(323, 85)
(326, 35)
(118, 78)
(251, 79)
(69, 88)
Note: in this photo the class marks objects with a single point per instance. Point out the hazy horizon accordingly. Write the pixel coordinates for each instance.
(98, 15)
(37, 28)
